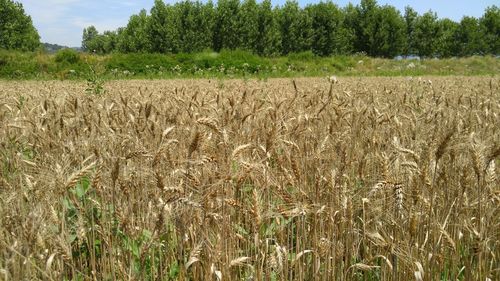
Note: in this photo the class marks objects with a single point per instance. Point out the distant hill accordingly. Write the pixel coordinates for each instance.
(52, 48)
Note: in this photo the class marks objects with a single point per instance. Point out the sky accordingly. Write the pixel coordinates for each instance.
(62, 21)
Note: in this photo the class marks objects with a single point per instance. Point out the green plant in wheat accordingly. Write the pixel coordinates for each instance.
(83, 214)
(95, 82)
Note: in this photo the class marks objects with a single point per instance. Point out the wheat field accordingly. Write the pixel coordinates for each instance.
(305, 179)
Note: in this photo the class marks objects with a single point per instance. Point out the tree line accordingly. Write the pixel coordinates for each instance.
(16, 28)
(323, 28)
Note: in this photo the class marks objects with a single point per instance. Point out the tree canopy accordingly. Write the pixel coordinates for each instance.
(16, 28)
(323, 28)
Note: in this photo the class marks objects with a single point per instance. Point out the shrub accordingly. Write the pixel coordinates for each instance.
(342, 63)
(140, 63)
(206, 59)
(241, 59)
(68, 56)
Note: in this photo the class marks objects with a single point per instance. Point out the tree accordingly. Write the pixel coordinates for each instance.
(157, 29)
(192, 21)
(490, 27)
(134, 37)
(352, 27)
(469, 38)
(89, 39)
(248, 25)
(269, 39)
(110, 41)
(16, 28)
(206, 23)
(289, 23)
(325, 29)
(99, 43)
(381, 30)
(305, 31)
(388, 37)
(326, 23)
(225, 35)
(425, 34)
(410, 18)
(367, 11)
(445, 42)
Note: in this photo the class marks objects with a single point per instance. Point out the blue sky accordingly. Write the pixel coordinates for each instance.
(62, 21)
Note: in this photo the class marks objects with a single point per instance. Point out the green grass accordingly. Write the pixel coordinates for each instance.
(68, 64)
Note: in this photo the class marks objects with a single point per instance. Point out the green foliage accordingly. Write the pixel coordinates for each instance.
(331, 32)
(381, 31)
(410, 18)
(68, 56)
(323, 28)
(291, 23)
(248, 25)
(193, 21)
(90, 42)
(228, 63)
(226, 34)
(343, 63)
(490, 27)
(158, 30)
(16, 28)
(365, 25)
(83, 213)
(134, 38)
(239, 58)
(426, 34)
(389, 37)
(95, 83)
(446, 44)
(350, 29)
(93, 42)
(302, 56)
(469, 38)
(86, 213)
(18, 65)
(269, 39)
(140, 63)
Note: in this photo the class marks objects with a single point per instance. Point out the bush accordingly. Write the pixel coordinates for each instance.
(68, 56)
(342, 63)
(140, 62)
(241, 59)
(206, 59)
(17, 65)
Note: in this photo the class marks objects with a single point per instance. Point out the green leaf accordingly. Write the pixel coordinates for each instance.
(174, 270)
(82, 187)
(72, 238)
(135, 249)
(146, 235)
